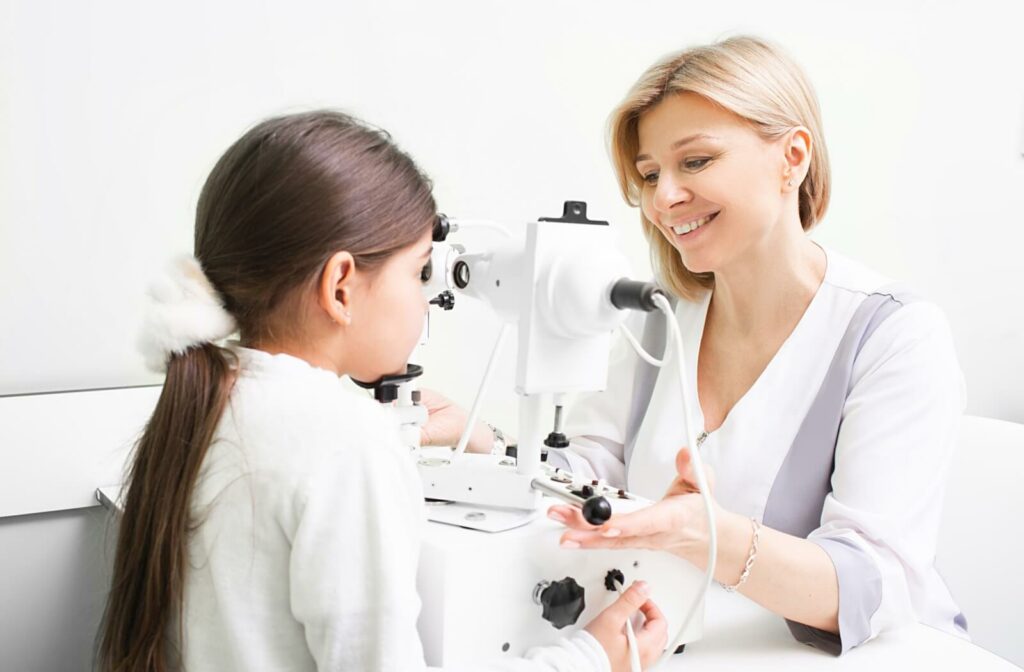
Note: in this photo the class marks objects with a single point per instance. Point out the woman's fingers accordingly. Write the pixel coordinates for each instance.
(624, 530)
(569, 516)
(647, 520)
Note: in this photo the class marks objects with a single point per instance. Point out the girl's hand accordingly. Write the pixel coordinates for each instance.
(445, 422)
(677, 523)
(608, 628)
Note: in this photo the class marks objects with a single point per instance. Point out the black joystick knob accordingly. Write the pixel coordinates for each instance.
(597, 510)
(563, 602)
(445, 300)
(556, 440)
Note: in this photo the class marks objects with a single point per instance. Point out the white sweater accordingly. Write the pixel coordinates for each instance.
(310, 515)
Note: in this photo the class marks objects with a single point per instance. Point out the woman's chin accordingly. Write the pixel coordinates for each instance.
(696, 263)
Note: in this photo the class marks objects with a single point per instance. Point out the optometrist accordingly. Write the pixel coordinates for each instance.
(828, 397)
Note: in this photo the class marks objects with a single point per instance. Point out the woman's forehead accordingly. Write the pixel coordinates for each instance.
(684, 117)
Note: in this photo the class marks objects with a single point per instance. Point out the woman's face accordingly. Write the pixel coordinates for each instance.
(711, 185)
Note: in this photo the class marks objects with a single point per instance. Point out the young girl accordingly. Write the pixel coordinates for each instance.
(272, 520)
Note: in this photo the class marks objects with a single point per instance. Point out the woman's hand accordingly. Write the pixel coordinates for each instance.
(608, 628)
(445, 422)
(794, 577)
(677, 523)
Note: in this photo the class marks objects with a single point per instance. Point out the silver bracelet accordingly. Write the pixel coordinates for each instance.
(751, 556)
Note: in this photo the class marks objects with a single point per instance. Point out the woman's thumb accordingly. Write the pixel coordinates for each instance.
(684, 464)
(688, 476)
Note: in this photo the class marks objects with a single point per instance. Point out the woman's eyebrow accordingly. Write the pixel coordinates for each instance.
(679, 143)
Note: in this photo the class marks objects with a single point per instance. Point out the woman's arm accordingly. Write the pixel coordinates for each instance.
(793, 577)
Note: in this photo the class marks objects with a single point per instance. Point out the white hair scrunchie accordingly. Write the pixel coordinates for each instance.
(183, 310)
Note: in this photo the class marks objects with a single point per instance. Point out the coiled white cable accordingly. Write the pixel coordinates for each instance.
(674, 338)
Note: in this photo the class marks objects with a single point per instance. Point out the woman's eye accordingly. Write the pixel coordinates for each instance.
(696, 164)
(651, 178)
(427, 271)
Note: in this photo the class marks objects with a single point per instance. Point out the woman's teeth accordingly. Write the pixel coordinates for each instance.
(692, 226)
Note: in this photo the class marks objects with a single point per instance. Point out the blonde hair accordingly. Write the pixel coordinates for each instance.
(747, 76)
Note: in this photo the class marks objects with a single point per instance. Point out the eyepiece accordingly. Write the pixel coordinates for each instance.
(634, 295)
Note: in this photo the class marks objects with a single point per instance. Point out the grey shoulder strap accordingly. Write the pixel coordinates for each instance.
(798, 494)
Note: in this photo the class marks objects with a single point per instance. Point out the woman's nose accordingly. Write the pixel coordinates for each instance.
(670, 192)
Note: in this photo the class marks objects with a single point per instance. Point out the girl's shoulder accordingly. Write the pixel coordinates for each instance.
(289, 414)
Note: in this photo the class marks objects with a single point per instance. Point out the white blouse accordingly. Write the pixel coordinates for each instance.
(899, 404)
(310, 517)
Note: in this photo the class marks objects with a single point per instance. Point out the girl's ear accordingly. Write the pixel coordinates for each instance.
(335, 287)
(797, 146)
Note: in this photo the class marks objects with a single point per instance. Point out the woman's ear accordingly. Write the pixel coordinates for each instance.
(797, 146)
(337, 281)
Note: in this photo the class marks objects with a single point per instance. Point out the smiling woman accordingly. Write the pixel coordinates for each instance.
(724, 92)
(828, 398)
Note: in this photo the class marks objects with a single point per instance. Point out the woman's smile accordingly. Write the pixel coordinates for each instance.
(690, 229)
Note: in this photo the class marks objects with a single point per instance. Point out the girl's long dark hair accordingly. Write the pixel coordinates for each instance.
(278, 204)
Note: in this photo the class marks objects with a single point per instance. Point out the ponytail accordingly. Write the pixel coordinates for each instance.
(152, 547)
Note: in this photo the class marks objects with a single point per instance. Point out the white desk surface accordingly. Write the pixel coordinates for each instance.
(741, 635)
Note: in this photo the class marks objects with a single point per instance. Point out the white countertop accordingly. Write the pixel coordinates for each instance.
(739, 634)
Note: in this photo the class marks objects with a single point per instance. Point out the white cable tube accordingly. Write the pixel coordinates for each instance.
(698, 464)
(674, 338)
(643, 354)
(634, 650)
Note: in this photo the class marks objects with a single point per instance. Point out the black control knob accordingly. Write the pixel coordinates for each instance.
(556, 440)
(442, 227)
(563, 601)
(445, 300)
(597, 510)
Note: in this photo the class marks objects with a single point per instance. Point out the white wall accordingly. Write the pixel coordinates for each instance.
(112, 113)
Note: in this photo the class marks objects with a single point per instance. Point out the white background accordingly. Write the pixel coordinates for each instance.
(112, 113)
